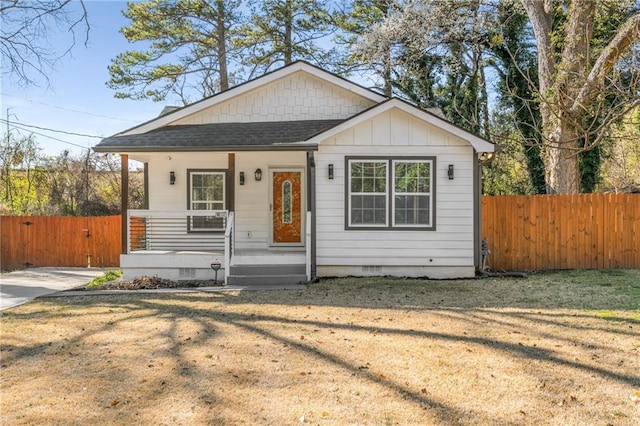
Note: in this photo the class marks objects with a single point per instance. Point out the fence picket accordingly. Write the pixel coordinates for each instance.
(547, 232)
(59, 241)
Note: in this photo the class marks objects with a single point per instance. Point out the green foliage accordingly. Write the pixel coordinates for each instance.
(621, 159)
(23, 178)
(516, 65)
(108, 276)
(84, 185)
(279, 32)
(194, 49)
(507, 174)
(188, 49)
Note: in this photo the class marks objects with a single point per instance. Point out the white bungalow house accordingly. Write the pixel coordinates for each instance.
(301, 174)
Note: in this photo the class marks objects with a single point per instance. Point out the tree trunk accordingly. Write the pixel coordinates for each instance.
(222, 46)
(562, 171)
(288, 38)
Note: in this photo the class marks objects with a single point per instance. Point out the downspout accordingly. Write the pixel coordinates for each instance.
(311, 207)
(146, 186)
(477, 211)
(124, 200)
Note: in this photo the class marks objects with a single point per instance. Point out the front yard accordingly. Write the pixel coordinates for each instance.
(561, 348)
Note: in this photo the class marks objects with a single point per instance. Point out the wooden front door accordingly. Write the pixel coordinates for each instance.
(287, 207)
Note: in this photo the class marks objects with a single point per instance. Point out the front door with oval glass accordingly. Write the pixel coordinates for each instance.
(287, 207)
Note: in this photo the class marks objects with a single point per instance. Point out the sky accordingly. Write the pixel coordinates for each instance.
(76, 99)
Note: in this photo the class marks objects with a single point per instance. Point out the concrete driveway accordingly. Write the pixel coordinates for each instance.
(19, 287)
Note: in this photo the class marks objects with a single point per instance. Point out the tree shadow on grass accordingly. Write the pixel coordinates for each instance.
(209, 312)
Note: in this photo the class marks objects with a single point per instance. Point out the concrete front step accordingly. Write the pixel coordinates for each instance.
(267, 274)
(266, 270)
(266, 279)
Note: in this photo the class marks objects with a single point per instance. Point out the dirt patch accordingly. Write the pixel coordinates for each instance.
(552, 349)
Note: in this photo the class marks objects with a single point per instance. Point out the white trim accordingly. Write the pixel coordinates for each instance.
(349, 193)
(252, 85)
(479, 144)
(394, 193)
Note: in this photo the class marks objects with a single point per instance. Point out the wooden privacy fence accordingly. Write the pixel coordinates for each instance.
(59, 241)
(547, 232)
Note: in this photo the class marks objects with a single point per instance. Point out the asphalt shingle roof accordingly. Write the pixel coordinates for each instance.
(218, 136)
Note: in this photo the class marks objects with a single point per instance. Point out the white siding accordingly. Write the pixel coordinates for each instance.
(252, 199)
(252, 214)
(166, 197)
(446, 252)
(299, 96)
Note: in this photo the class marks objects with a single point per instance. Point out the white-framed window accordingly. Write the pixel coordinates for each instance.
(368, 195)
(390, 193)
(206, 189)
(412, 201)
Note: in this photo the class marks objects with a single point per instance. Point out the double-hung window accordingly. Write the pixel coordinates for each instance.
(390, 193)
(206, 192)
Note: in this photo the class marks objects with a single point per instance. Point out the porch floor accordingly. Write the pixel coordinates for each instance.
(240, 257)
(268, 257)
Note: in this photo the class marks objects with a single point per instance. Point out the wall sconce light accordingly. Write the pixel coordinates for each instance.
(172, 178)
(330, 171)
(450, 172)
(241, 178)
(258, 174)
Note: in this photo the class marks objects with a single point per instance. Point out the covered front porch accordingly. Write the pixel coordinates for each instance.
(159, 246)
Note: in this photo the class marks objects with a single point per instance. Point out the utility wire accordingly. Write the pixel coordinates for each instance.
(69, 109)
(47, 136)
(13, 123)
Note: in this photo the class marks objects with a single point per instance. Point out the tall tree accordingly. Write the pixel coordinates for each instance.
(22, 176)
(26, 26)
(516, 64)
(190, 49)
(355, 20)
(282, 31)
(437, 57)
(577, 80)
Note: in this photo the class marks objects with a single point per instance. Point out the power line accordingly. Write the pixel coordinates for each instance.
(51, 130)
(47, 136)
(69, 109)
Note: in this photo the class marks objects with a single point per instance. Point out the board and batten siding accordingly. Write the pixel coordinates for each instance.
(299, 96)
(446, 252)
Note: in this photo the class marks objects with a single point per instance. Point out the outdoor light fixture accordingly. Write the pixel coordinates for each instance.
(241, 178)
(172, 178)
(330, 171)
(258, 174)
(216, 265)
(450, 172)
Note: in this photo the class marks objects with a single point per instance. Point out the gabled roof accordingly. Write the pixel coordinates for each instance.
(478, 143)
(220, 137)
(250, 85)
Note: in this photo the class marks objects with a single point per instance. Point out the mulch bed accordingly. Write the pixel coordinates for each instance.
(147, 283)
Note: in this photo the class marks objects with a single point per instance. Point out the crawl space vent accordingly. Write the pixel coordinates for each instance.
(186, 272)
(372, 269)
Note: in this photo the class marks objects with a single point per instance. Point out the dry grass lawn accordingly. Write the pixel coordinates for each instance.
(560, 348)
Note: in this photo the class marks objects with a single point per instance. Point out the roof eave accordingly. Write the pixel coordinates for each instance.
(302, 146)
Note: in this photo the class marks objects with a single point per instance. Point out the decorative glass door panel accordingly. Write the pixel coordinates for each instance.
(287, 207)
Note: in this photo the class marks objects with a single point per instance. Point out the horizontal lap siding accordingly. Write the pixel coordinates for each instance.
(252, 199)
(252, 213)
(166, 197)
(299, 96)
(395, 134)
